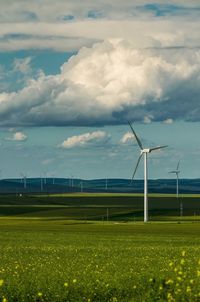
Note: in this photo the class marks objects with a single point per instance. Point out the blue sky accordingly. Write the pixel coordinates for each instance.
(72, 74)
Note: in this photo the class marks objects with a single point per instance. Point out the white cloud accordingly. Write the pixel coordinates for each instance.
(147, 119)
(69, 25)
(72, 36)
(81, 140)
(110, 83)
(22, 65)
(57, 43)
(168, 121)
(18, 136)
(49, 10)
(127, 137)
(47, 161)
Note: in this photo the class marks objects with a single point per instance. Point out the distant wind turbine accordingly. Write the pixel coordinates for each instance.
(81, 185)
(177, 171)
(24, 177)
(106, 184)
(144, 151)
(45, 177)
(72, 180)
(41, 183)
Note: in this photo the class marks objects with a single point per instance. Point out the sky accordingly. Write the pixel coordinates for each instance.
(72, 73)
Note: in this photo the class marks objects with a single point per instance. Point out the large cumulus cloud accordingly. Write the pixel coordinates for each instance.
(107, 84)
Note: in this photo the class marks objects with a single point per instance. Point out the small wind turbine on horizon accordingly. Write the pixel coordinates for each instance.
(24, 178)
(177, 171)
(106, 187)
(145, 152)
(72, 180)
(81, 185)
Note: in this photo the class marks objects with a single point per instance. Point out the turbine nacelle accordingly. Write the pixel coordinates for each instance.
(145, 151)
(175, 172)
(149, 150)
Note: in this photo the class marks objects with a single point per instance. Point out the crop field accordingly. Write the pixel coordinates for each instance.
(56, 258)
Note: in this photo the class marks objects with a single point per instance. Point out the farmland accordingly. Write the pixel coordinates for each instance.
(58, 248)
(114, 207)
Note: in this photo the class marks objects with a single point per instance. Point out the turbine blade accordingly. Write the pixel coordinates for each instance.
(157, 148)
(136, 166)
(172, 172)
(178, 165)
(137, 139)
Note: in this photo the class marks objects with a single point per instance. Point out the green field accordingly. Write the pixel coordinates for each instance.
(48, 256)
(114, 207)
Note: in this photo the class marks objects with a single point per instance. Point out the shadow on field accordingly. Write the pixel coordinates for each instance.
(100, 207)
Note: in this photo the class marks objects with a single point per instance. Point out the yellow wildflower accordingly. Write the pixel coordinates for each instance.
(1, 282)
(65, 284)
(39, 294)
(169, 297)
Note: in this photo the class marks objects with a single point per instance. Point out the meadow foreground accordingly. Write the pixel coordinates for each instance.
(59, 260)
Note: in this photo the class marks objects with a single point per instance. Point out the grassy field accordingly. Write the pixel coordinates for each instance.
(115, 207)
(59, 260)
(62, 248)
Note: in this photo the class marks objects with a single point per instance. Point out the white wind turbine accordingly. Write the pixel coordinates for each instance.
(24, 178)
(144, 151)
(177, 171)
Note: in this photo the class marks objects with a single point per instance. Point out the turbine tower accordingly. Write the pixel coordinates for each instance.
(145, 152)
(177, 171)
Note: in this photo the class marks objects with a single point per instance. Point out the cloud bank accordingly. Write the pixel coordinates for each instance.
(110, 83)
(69, 25)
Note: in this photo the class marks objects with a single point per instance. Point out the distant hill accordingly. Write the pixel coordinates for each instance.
(64, 185)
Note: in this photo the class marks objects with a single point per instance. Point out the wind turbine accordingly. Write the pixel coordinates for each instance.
(41, 183)
(145, 152)
(177, 171)
(24, 178)
(81, 185)
(45, 177)
(106, 184)
(72, 180)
